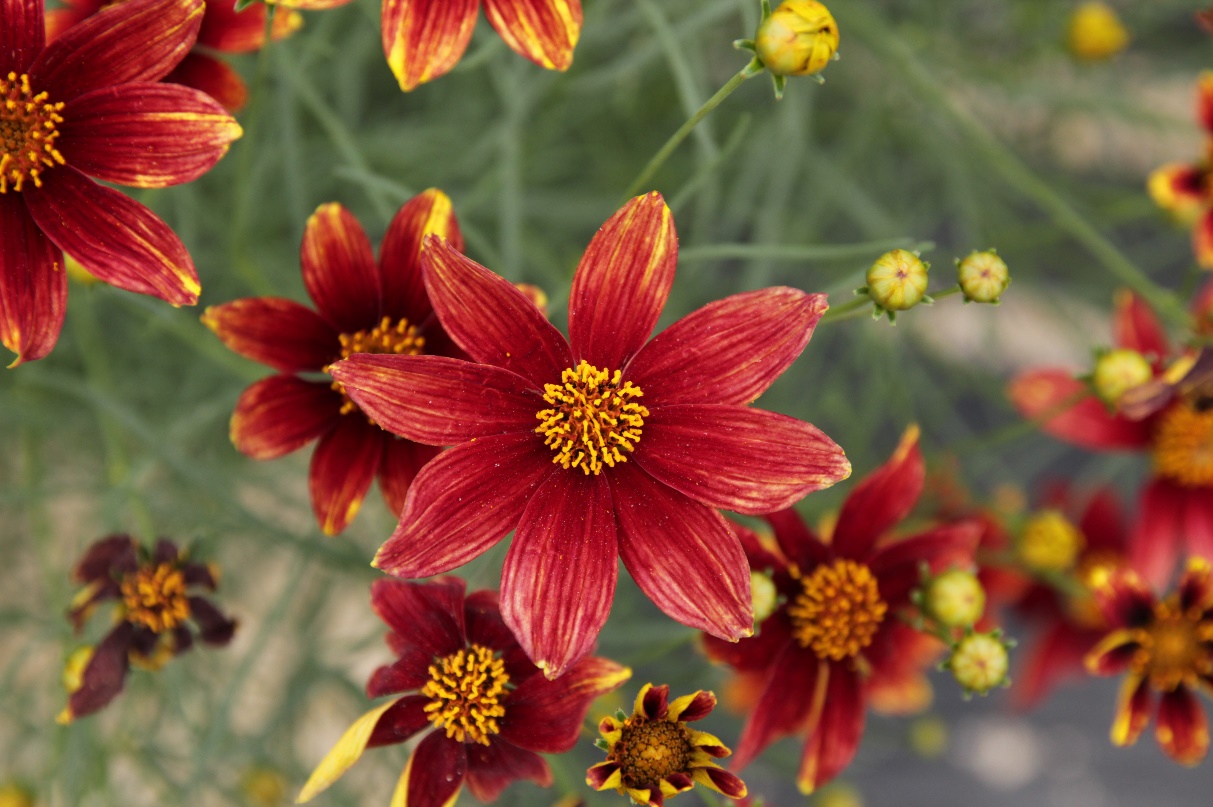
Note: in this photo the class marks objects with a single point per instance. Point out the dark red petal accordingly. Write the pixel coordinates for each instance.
(558, 580)
(343, 466)
(339, 269)
(761, 555)
(494, 766)
(1202, 240)
(793, 692)
(281, 333)
(897, 565)
(214, 627)
(683, 555)
(833, 741)
(423, 39)
(622, 283)
(434, 772)
(109, 557)
(728, 783)
(799, 544)
(464, 502)
(482, 614)
(881, 500)
(1125, 600)
(112, 236)
(22, 34)
(1103, 522)
(1183, 729)
(489, 318)
(737, 458)
(1135, 327)
(230, 31)
(756, 652)
(1048, 660)
(33, 283)
(1196, 586)
(1067, 410)
(136, 40)
(700, 707)
(1198, 522)
(544, 31)
(403, 281)
(402, 460)
(282, 413)
(655, 702)
(104, 674)
(1155, 536)
(401, 721)
(546, 716)
(165, 551)
(1204, 101)
(729, 351)
(440, 401)
(410, 671)
(1133, 708)
(427, 616)
(213, 77)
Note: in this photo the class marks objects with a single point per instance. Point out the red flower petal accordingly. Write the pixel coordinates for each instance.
(112, 556)
(427, 616)
(213, 77)
(136, 40)
(434, 773)
(1198, 522)
(794, 690)
(736, 458)
(558, 580)
(282, 413)
(653, 702)
(33, 284)
(439, 401)
(464, 502)
(1103, 522)
(1135, 327)
(339, 269)
(897, 565)
(731, 350)
(622, 283)
(494, 766)
(1132, 711)
(1069, 412)
(546, 716)
(22, 34)
(59, 20)
(230, 31)
(881, 500)
(424, 39)
(104, 675)
(722, 780)
(401, 462)
(1050, 659)
(400, 722)
(402, 279)
(544, 31)
(1183, 729)
(343, 467)
(1204, 100)
(1196, 586)
(1155, 537)
(682, 554)
(491, 319)
(114, 237)
(281, 333)
(799, 544)
(756, 652)
(835, 738)
(1125, 600)
(214, 628)
(482, 615)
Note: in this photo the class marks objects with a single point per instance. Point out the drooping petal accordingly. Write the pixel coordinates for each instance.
(1135, 327)
(398, 724)
(1112, 654)
(136, 40)
(491, 319)
(689, 708)
(1132, 711)
(737, 458)
(343, 466)
(682, 554)
(403, 282)
(339, 269)
(213, 627)
(1183, 729)
(428, 616)
(622, 283)
(282, 413)
(546, 715)
(112, 236)
(897, 565)
(1066, 409)
(721, 781)
(1154, 540)
(464, 502)
(834, 739)
(731, 350)
(544, 31)
(794, 690)
(439, 401)
(434, 773)
(881, 499)
(558, 580)
(604, 775)
(213, 77)
(104, 675)
(33, 283)
(22, 34)
(343, 755)
(281, 333)
(401, 462)
(408, 672)
(494, 766)
(112, 556)
(423, 39)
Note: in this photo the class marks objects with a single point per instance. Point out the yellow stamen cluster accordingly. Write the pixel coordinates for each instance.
(649, 751)
(388, 337)
(1175, 648)
(1183, 446)
(465, 691)
(155, 597)
(593, 417)
(27, 133)
(839, 611)
(1050, 543)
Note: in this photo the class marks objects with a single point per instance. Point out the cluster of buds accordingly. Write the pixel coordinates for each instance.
(951, 604)
(897, 281)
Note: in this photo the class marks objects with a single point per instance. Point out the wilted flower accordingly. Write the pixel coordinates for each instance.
(1096, 32)
(798, 39)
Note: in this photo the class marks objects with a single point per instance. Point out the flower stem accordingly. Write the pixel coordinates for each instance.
(855, 308)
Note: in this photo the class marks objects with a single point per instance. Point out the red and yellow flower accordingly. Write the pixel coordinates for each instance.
(363, 306)
(153, 611)
(491, 711)
(601, 448)
(1185, 190)
(1165, 647)
(837, 639)
(88, 103)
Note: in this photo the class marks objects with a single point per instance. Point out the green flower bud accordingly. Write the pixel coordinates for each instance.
(1118, 371)
(798, 39)
(983, 277)
(897, 281)
(955, 599)
(979, 662)
(764, 595)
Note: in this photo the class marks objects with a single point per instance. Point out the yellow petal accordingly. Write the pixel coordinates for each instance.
(345, 753)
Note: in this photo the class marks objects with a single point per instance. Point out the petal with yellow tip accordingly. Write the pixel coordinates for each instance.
(544, 31)
(423, 39)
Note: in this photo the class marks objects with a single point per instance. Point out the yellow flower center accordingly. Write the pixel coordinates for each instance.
(839, 611)
(1183, 446)
(648, 752)
(155, 597)
(1176, 648)
(465, 690)
(399, 338)
(27, 133)
(593, 420)
(1050, 543)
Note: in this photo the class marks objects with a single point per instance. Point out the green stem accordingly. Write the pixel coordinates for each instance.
(855, 308)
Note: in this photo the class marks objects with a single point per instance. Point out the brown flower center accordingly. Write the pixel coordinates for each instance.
(465, 690)
(155, 597)
(399, 338)
(648, 752)
(27, 133)
(1176, 648)
(593, 420)
(1183, 446)
(838, 611)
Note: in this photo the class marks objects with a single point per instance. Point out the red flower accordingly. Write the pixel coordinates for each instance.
(223, 30)
(88, 104)
(1177, 500)
(364, 307)
(1186, 190)
(836, 636)
(153, 606)
(493, 713)
(1165, 647)
(636, 445)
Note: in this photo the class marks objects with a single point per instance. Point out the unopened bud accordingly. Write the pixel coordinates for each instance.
(979, 662)
(1096, 33)
(983, 276)
(897, 281)
(798, 39)
(1118, 371)
(1050, 543)
(955, 598)
(764, 595)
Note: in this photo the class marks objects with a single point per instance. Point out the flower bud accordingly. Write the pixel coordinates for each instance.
(1118, 371)
(979, 662)
(1096, 33)
(764, 595)
(897, 281)
(983, 276)
(798, 39)
(954, 599)
(1050, 543)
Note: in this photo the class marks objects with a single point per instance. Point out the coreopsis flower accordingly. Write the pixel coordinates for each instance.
(797, 39)
(654, 754)
(604, 448)
(156, 611)
(491, 711)
(1184, 189)
(88, 104)
(223, 30)
(837, 639)
(1165, 649)
(1176, 505)
(363, 306)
